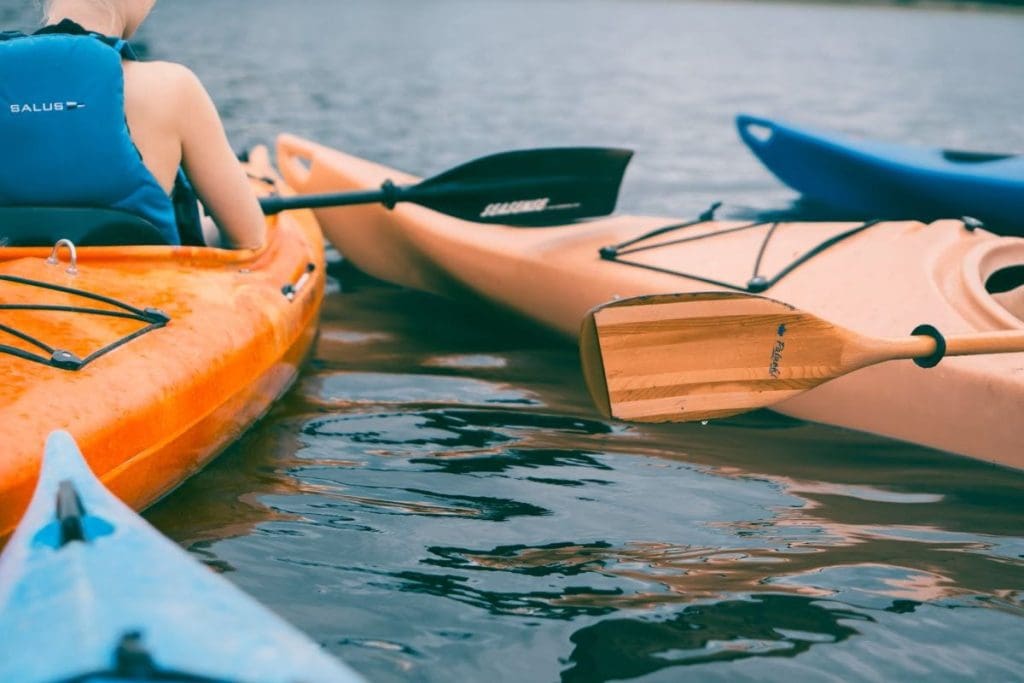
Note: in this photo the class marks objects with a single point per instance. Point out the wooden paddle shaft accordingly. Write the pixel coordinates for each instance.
(989, 342)
(961, 345)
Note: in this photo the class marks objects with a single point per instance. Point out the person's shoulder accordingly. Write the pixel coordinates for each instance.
(169, 74)
(171, 87)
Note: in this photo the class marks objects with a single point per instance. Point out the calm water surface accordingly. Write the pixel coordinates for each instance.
(437, 501)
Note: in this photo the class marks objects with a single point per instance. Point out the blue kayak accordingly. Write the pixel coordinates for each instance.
(874, 179)
(91, 592)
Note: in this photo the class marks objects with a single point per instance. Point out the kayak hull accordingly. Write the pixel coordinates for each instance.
(157, 408)
(876, 179)
(882, 281)
(67, 606)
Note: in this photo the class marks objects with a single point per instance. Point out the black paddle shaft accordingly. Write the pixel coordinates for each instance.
(524, 187)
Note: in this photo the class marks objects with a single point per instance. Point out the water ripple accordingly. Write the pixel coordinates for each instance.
(438, 500)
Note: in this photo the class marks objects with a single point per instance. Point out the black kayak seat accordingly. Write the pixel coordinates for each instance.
(43, 226)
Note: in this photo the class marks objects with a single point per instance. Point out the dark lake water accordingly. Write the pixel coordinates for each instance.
(437, 501)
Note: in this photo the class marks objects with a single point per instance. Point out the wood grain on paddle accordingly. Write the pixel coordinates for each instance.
(684, 357)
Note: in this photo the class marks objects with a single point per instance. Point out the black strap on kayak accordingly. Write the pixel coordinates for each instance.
(70, 514)
(133, 662)
(65, 360)
(757, 282)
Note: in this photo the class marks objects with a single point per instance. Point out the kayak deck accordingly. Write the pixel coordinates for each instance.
(881, 281)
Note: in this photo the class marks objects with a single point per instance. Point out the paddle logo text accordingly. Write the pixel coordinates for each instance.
(780, 346)
(515, 208)
(45, 107)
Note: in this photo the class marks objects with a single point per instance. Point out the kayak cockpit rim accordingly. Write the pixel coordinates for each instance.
(987, 262)
(215, 256)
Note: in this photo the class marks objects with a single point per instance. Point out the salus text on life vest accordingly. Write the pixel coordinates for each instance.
(40, 107)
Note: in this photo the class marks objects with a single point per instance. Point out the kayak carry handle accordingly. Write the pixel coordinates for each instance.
(754, 130)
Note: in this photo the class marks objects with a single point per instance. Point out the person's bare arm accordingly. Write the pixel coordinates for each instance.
(213, 169)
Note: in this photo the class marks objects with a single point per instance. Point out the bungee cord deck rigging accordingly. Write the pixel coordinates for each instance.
(756, 284)
(151, 318)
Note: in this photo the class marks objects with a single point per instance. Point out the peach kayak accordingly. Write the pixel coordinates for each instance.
(154, 358)
(877, 278)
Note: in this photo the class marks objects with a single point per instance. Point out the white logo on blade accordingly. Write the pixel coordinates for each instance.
(45, 107)
(513, 208)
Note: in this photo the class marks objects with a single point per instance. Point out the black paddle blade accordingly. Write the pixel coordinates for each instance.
(530, 187)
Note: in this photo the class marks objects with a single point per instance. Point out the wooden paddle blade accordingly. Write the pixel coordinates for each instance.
(683, 357)
(530, 187)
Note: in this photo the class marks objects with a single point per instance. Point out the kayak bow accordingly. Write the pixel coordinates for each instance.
(89, 592)
(885, 180)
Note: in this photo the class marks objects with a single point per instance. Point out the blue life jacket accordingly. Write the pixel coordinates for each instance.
(64, 134)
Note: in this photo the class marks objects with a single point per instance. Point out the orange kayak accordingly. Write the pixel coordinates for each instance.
(154, 358)
(879, 279)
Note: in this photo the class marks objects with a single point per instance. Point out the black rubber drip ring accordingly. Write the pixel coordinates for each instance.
(390, 192)
(940, 346)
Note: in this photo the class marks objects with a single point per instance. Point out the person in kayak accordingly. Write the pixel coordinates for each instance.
(92, 126)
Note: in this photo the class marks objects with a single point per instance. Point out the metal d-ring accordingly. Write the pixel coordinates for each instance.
(73, 263)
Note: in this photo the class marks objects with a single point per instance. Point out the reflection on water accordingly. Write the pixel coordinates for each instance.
(761, 626)
(424, 519)
(365, 387)
(437, 500)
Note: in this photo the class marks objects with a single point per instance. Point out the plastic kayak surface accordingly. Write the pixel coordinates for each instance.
(91, 592)
(885, 180)
(877, 279)
(183, 348)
